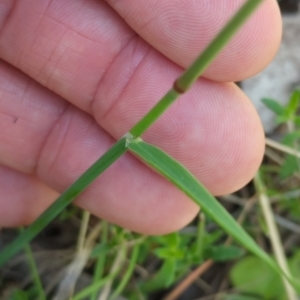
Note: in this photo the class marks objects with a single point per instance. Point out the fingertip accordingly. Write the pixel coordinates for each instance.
(252, 48)
(145, 202)
(175, 216)
(182, 29)
(234, 143)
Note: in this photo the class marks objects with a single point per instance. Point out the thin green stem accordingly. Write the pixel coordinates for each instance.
(99, 269)
(186, 80)
(117, 150)
(34, 272)
(93, 287)
(128, 274)
(274, 235)
(200, 235)
(154, 113)
(115, 268)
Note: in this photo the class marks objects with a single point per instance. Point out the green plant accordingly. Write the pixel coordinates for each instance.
(158, 160)
(34, 273)
(253, 277)
(19, 295)
(288, 115)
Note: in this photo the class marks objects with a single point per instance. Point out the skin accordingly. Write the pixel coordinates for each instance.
(76, 75)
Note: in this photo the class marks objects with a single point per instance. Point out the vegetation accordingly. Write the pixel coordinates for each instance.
(136, 266)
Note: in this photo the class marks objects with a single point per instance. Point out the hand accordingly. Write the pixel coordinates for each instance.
(76, 75)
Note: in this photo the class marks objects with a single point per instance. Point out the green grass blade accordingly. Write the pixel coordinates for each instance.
(185, 181)
(186, 80)
(99, 268)
(34, 272)
(118, 149)
(92, 288)
(126, 277)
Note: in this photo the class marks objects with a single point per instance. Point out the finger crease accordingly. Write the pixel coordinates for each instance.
(99, 84)
(47, 136)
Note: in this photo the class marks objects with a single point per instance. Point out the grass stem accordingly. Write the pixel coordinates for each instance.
(154, 113)
(99, 268)
(126, 277)
(187, 79)
(116, 266)
(34, 272)
(200, 235)
(274, 235)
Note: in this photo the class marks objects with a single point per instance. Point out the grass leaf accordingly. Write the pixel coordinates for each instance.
(185, 181)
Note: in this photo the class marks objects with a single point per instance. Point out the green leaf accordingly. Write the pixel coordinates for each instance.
(252, 275)
(273, 105)
(289, 167)
(163, 278)
(170, 240)
(290, 138)
(165, 253)
(18, 295)
(293, 103)
(213, 237)
(223, 253)
(297, 121)
(117, 150)
(170, 246)
(94, 287)
(291, 163)
(282, 119)
(185, 181)
(294, 266)
(239, 297)
(100, 249)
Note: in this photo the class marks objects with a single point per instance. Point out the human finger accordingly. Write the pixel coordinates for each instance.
(44, 135)
(182, 29)
(69, 64)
